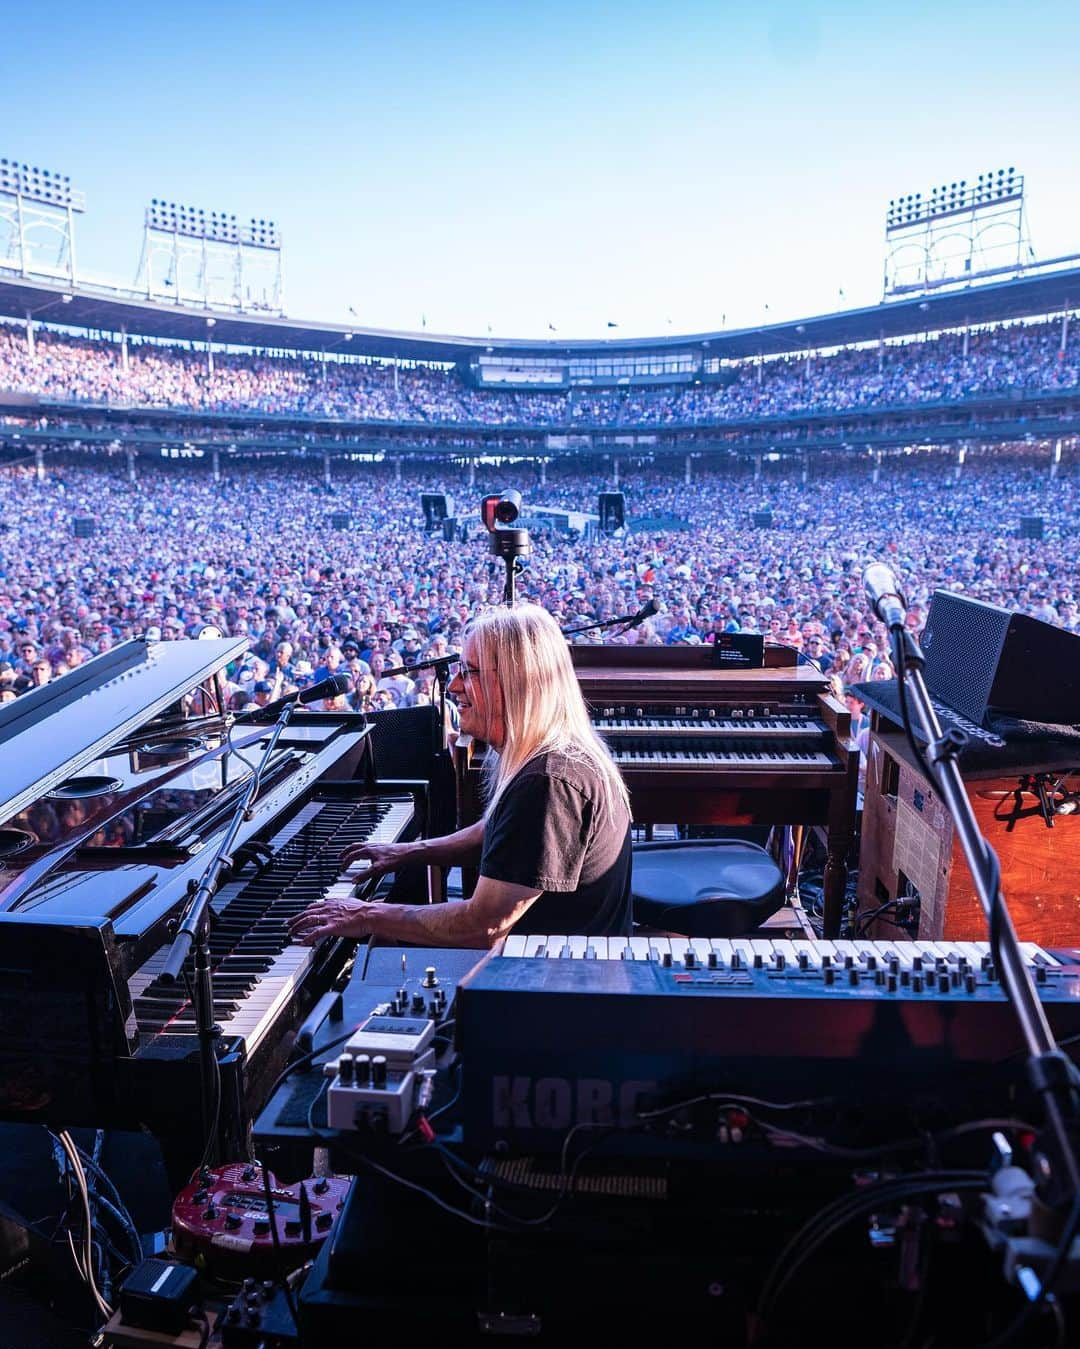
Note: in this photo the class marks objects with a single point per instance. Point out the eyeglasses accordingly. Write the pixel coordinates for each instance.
(459, 669)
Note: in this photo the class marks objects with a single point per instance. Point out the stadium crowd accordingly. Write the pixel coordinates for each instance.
(256, 556)
(1023, 358)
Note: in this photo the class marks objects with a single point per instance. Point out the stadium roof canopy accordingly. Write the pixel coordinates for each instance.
(111, 310)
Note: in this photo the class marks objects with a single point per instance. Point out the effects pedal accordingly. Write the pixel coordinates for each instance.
(221, 1222)
(385, 1072)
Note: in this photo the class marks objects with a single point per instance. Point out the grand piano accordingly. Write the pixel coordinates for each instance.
(118, 782)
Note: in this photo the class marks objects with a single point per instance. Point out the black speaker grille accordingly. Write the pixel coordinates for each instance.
(962, 643)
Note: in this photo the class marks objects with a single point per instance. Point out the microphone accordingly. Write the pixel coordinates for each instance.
(886, 598)
(437, 663)
(628, 621)
(325, 688)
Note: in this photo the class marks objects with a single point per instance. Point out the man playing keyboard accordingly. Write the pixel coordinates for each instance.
(554, 843)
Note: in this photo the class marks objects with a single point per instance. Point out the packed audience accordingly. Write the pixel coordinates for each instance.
(256, 556)
(1006, 359)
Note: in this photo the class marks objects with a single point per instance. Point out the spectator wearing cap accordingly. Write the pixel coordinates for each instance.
(262, 691)
(27, 651)
(351, 661)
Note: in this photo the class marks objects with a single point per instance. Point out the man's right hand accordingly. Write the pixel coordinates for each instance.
(383, 857)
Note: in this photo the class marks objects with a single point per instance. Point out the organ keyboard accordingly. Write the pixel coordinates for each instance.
(121, 787)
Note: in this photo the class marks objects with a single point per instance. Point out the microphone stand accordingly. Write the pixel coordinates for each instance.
(194, 930)
(631, 621)
(1050, 1071)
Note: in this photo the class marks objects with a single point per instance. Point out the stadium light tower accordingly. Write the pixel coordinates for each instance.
(37, 220)
(191, 255)
(956, 234)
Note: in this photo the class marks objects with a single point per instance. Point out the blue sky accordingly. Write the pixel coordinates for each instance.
(514, 165)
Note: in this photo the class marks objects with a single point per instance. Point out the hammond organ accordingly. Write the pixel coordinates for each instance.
(698, 745)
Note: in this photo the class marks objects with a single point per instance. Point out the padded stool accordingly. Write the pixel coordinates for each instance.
(719, 888)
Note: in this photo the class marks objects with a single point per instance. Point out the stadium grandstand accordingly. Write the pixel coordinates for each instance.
(315, 502)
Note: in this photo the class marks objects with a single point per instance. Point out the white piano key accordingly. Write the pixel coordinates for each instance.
(639, 948)
(785, 948)
(514, 945)
(554, 945)
(723, 948)
(745, 949)
(1038, 955)
(577, 947)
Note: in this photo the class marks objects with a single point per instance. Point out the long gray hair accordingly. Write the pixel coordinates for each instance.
(525, 663)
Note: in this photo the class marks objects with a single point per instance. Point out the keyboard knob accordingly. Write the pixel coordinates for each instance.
(233, 1221)
(890, 982)
(828, 974)
(779, 960)
(758, 960)
(736, 960)
(853, 975)
(346, 1069)
(429, 977)
(917, 981)
(690, 960)
(418, 1002)
(363, 1069)
(665, 960)
(969, 981)
(261, 1227)
(804, 961)
(712, 960)
(378, 1070)
(943, 981)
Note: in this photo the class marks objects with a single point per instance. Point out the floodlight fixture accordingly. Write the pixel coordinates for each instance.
(45, 186)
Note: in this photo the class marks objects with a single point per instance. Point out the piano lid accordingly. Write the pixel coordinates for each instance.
(48, 734)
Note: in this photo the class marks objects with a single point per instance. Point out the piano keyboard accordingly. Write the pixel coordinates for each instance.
(768, 953)
(776, 728)
(744, 760)
(255, 967)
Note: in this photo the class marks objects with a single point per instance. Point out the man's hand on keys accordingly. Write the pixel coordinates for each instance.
(367, 861)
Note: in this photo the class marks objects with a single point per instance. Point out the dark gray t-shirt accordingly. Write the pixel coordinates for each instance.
(546, 833)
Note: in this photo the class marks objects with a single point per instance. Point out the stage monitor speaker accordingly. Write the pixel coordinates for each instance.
(762, 519)
(406, 741)
(84, 526)
(612, 511)
(339, 519)
(1031, 527)
(437, 506)
(982, 658)
(449, 528)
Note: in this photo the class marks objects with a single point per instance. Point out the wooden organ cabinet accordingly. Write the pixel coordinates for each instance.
(909, 845)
